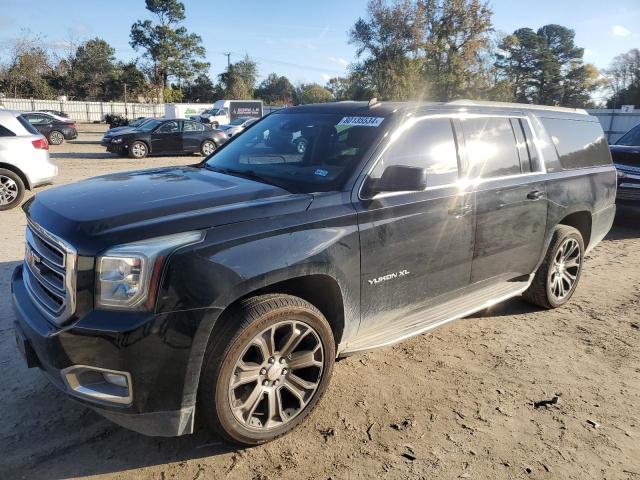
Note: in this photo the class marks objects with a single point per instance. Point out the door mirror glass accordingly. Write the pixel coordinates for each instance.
(396, 178)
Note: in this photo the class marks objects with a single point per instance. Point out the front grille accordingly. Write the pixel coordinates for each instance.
(624, 194)
(50, 273)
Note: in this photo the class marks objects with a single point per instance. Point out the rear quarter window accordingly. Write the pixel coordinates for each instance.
(5, 132)
(579, 144)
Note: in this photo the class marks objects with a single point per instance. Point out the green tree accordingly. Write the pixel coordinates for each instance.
(313, 93)
(623, 78)
(200, 90)
(276, 90)
(93, 70)
(239, 81)
(421, 48)
(130, 75)
(173, 51)
(28, 71)
(546, 67)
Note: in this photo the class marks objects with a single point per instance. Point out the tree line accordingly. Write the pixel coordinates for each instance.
(437, 50)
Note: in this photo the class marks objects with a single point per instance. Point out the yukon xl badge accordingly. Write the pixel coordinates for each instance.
(389, 276)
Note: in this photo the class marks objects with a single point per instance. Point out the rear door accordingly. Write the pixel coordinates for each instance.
(511, 205)
(192, 136)
(416, 247)
(167, 138)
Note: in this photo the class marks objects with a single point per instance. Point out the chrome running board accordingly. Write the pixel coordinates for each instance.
(425, 320)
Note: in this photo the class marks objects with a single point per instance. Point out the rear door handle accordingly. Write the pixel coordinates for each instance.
(461, 211)
(535, 195)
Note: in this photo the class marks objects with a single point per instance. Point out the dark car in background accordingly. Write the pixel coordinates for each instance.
(55, 112)
(112, 132)
(626, 158)
(168, 136)
(55, 128)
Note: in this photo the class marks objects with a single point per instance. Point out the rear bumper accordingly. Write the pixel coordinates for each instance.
(601, 223)
(41, 172)
(143, 345)
(70, 134)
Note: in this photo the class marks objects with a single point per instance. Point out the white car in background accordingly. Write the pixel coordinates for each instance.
(237, 125)
(24, 159)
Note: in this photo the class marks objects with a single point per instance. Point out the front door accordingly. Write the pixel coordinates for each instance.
(167, 138)
(511, 205)
(416, 247)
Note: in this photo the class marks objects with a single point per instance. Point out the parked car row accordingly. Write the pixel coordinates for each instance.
(626, 158)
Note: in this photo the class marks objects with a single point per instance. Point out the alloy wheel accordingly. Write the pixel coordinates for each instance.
(139, 150)
(208, 148)
(276, 375)
(56, 138)
(565, 268)
(8, 190)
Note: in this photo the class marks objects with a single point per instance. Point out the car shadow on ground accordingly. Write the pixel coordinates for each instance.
(625, 226)
(84, 142)
(82, 155)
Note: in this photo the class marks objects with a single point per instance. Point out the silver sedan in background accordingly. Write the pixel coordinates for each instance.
(237, 125)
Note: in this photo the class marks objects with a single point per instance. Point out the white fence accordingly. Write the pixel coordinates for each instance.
(615, 123)
(94, 111)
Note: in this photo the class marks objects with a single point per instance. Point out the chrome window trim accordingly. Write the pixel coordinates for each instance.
(461, 115)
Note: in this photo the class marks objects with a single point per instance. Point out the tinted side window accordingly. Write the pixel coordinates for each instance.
(5, 132)
(428, 144)
(491, 147)
(193, 127)
(579, 143)
(28, 127)
(631, 138)
(169, 127)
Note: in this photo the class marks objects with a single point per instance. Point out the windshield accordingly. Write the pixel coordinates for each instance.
(631, 138)
(150, 125)
(211, 111)
(138, 122)
(300, 152)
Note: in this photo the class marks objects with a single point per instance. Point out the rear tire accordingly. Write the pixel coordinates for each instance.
(557, 277)
(11, 189)
(55, 137)
(269, 371)
(138, 150)
(207, 148)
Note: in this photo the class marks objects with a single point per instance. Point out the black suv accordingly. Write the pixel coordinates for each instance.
(229, 288)
(626, 159)
(162, 136)
(56, 129)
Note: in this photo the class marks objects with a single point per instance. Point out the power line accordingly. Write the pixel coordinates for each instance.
(293, 65)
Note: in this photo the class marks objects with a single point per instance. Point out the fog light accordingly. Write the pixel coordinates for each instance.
(115, 379)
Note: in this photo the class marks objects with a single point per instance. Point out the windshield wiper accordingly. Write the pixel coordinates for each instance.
(249, 174)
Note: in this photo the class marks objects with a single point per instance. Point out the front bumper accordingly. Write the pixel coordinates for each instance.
(154, 349)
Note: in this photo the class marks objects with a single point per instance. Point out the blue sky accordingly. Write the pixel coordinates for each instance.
(307, 41)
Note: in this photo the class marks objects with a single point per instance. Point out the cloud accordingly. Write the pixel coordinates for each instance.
(620, 31)
(339, 61)
(326, 77)
(588, 52)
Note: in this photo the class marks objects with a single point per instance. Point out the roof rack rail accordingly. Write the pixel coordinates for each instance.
(528, 106)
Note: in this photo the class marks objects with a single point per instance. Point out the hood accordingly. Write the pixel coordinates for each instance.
(119, 131)
(120, 208)
(624, 155)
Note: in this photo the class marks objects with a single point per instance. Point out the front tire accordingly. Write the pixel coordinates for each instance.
(557, 278)
(11, 189)
(270, 374)
(138, 150)
(55, 137)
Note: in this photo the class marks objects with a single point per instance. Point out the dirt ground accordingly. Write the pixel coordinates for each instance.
(454, 403)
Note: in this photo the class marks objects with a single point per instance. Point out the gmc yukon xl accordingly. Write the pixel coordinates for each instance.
(228, 288)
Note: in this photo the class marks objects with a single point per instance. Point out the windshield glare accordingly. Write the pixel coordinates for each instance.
(631, 138)
(300, 152)
(211, 111)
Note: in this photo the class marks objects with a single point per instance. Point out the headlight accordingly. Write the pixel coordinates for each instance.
(126, 274)
(116, 140)
(621, 174)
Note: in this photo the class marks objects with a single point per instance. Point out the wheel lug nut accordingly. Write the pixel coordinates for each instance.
(276, 383)
(263, 371)
(265, 383)
(282, 360)
(271, 360)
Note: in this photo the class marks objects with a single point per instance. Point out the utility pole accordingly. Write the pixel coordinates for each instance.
(126, 111)
(228, 55)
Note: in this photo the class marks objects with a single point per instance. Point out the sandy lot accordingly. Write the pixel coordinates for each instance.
(455, 403)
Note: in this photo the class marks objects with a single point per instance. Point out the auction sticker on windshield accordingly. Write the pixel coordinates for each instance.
(362, 121)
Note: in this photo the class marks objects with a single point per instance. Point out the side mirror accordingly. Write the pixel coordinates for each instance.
(396, 178)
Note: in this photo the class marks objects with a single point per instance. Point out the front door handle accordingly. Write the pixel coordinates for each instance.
(461, 211)
(535, 195)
